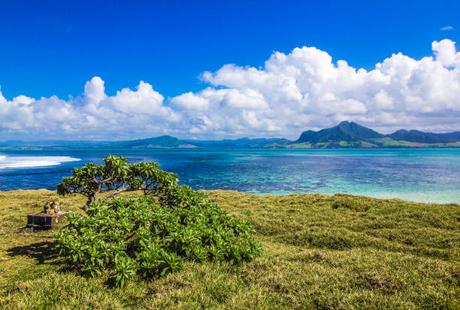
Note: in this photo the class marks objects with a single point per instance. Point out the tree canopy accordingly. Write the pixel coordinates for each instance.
(146, 236)
(116, 175)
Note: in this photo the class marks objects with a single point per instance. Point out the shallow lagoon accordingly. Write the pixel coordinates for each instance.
(414, 174)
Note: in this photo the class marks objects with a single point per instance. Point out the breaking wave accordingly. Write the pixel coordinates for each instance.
(33, 161)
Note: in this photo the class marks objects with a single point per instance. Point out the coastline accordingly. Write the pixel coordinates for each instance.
(425, 175)
(424, 197)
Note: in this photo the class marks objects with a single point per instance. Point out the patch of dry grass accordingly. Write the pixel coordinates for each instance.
(319, 252)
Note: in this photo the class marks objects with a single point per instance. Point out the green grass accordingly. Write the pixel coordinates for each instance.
(319, 251)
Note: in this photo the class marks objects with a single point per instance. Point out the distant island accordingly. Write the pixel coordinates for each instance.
(352, 135)
(344, 135)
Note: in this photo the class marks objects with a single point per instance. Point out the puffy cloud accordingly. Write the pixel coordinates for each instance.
(190, 101)
(129, 113)
(95, 90)
(143, 101)
(303, 89)
(23, 99)
(445, 52)
(307, 89)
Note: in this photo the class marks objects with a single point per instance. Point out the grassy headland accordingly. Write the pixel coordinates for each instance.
(318, 252)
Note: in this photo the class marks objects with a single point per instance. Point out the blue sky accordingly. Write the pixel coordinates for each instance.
(210, 69)
(53, 47)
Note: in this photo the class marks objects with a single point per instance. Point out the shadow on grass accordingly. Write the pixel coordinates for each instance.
(43, 252)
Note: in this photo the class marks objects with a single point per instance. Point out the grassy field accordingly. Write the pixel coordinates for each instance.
(319, 252)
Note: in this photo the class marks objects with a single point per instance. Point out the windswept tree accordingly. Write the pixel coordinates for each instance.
(147, 236)
(117, 176)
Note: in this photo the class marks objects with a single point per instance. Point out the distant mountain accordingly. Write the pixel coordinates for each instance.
(156, 142)
(241, 143)
(344, 135)
(173, 142)
(351, 134)
(425, 137)
(451, 136)
(345, 131)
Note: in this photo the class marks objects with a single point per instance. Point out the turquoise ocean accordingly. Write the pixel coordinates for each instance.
(426, 175)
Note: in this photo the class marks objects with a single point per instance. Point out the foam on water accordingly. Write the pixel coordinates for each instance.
(33, 161)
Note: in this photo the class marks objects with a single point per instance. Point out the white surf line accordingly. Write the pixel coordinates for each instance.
(33, 161)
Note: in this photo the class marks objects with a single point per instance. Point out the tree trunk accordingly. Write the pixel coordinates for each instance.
(89, 202)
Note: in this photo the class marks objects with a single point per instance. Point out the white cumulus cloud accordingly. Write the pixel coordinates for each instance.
(129, 113)
(308, 89)
(303, 89)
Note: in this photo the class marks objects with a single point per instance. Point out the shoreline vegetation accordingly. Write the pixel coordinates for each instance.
(319, 251)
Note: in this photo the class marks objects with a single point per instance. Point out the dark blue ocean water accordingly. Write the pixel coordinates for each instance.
(415, 174)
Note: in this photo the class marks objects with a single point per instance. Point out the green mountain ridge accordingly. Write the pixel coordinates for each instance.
(425, 137)
(352, 135)
(345, 131)
(344, 135)
(173, 142)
